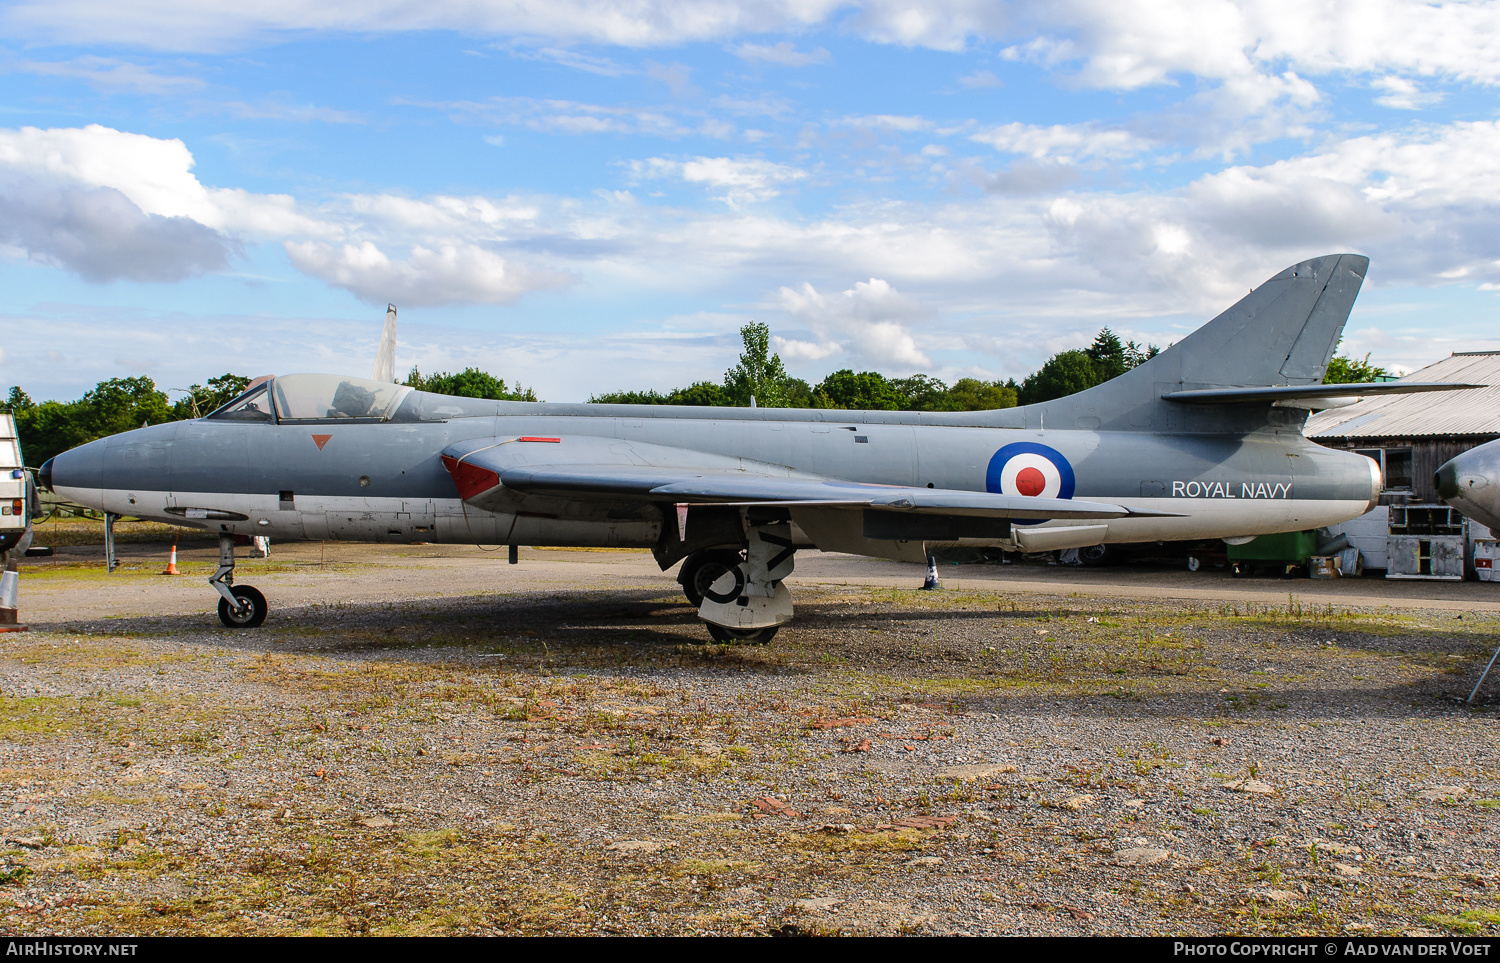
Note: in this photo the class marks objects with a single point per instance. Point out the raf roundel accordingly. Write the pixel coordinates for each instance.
(1026, 468)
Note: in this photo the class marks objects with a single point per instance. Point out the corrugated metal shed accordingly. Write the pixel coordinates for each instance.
(1474, 411)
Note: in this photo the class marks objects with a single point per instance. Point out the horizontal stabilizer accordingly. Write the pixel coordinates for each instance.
(1265, 395)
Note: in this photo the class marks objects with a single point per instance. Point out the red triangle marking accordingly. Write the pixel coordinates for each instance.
(321, 440)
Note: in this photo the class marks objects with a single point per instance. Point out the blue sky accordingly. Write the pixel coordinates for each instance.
(589, 195)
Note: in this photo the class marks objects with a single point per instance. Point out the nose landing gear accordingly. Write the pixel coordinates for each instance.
(240, 606)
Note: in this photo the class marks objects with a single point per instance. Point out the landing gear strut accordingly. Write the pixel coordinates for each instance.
(240, 607)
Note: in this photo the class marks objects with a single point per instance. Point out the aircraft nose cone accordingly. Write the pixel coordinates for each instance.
(1445, 479)
(76, 474)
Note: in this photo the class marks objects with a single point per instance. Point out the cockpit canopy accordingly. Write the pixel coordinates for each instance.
(312, 397)
(316, 398)
(321, 398)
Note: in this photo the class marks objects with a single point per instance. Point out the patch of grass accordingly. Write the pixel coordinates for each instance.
(21, 720)
(1470, 922)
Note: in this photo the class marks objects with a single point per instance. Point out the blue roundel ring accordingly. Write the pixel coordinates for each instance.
(1059, 478)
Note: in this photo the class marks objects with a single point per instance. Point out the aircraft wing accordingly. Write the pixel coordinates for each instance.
(610, 468)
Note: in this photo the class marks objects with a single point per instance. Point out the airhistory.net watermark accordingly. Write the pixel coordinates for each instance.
(55, 948)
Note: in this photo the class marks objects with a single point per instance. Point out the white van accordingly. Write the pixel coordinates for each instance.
(17, 492)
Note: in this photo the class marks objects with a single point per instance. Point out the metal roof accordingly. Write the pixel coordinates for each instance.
(1472, 411)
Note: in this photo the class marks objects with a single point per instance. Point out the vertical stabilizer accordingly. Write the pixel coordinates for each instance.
(385, 358)
(1282, 333)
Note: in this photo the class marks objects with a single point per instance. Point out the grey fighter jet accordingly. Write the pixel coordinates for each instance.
(1202, 441)
(1470, 482)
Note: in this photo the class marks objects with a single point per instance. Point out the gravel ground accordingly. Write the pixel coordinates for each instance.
(417, 742)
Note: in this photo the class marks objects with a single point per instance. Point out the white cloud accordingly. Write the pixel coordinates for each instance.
(784, 53)
(793, 350)
(451, 274)
(109, 205)
(980, 79)
(603, 66)
(108, 74)
(270, 110)
(867, 321)
(1115, 45)
(1063, 143)
(569, 116)
(740, 180)
(675, 76)
(99, 234)
(1403, 94)
(891, 122)
(216, 24)
(156, 175)
(1133, 45)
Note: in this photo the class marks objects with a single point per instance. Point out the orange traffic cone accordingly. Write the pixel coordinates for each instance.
(10, 620)
(172, 564)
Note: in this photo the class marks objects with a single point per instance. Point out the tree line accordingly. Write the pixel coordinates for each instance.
(120, 404)
(761, 375)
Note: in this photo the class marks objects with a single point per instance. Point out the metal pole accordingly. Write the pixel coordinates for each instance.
(1482, 675)
(110, 561)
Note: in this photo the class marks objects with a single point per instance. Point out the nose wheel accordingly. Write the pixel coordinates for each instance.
(250, 612)
(240, 606)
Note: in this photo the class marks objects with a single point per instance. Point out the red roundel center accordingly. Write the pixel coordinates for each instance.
(1030, 481)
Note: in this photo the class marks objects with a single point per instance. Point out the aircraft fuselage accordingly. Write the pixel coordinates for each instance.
(386, 481)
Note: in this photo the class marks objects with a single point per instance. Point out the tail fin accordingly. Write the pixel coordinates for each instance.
(1282, 333)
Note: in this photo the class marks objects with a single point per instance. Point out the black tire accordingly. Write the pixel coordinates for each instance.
(727, 636)
(253, 613)
(702, 569)
(1095, 556)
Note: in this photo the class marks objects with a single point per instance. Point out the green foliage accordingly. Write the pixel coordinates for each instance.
(1343, 370)
(202, 399)
(701, 393)
(113, 406)
(1064, 373)
(19, 400)
(1068, 372)
(867, 391)
(649, 397)
(759, 374)
(469, 383)
(922, 393)
(971, 394)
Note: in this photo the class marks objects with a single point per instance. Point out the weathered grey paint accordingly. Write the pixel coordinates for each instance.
(1471, 484)
(1229, 469)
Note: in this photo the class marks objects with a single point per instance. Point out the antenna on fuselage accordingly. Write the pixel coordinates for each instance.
(385, 358)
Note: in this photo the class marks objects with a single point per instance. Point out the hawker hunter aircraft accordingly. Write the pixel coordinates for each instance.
(1202, 441)
(1471, 484)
